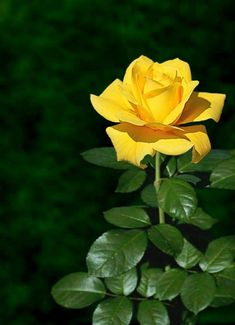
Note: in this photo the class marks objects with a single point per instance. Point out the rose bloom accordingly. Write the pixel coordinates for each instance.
(152, 105)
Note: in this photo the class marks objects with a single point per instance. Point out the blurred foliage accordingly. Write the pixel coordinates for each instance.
(53, 54)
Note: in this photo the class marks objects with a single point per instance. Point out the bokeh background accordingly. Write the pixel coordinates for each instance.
(53, 54)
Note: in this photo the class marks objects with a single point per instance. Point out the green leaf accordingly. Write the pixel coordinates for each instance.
(219, 254)
(169, 284)
(189, 256)
(149, 277)
(78, 290)
(152, 312)
(131, 180)
(189, 178)
(198, 292)
(226, 280)
(149, 196)
(225, 291)
(177, 198)
(201, 219)
(127, 217)
(188, 318)
(221, 300)
(123, 284)
(171, 167)
(116, 252)
(223, 176)
(210, 161)
(167, 238)
(104, 157)
(115, 311)
(149, 160)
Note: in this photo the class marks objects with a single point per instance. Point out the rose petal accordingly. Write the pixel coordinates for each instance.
(202, 106)
(164, 101)
(201, 144)
(135, 74)
(182, 66)
(114, 113)
(174, 115)
(113, 105)
(133, 143)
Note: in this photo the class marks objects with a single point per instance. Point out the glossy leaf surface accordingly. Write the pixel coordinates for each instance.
(116, 252)
(198, 292)
(127, 217)
(152, 312)
(115, 311)
(131, 180)
(123, 284)
(167, 238)
(78, 290)
(170, 283)
(219, 254)
(177, 198)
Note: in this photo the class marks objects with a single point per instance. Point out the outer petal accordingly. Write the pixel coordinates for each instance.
(133, 143)
(182, 66)
(141, 64)
(134, 76)
(176, 113)
(201, 144)
(202, 106)
(113, 105)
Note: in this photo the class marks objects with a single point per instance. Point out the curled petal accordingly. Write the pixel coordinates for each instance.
(202, 106)
(175, 114)
(133, 143)
(201, 144)
(134, 78)
(113, 105)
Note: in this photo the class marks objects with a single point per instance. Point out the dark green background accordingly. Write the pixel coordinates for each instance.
(53, 54)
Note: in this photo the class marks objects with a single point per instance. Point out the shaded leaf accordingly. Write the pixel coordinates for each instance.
(221, 300)
(152, 312)
(104, 157)
(198, 292)
(170, 283)
(116, 252)
(127, 217)
(225, 290)
(149, 196)
(78, 290)
(131, 180)
(115, 311)
(223, 176)
(189, 178)
(219, 254)
(170, 167)
(149, 277)
(177, 198)
(201, 219)
(123, 284)
(210, 161)
(189, 318)
(167, 238)
(149, 160)
(189, 256)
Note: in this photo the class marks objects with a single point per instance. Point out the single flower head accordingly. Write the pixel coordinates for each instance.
(152, 105)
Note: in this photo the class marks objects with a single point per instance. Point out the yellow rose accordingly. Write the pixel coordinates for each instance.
(152, 104)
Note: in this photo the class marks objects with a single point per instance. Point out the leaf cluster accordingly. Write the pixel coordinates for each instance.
(117, 276)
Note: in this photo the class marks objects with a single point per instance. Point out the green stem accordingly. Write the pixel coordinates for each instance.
(157, 183)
